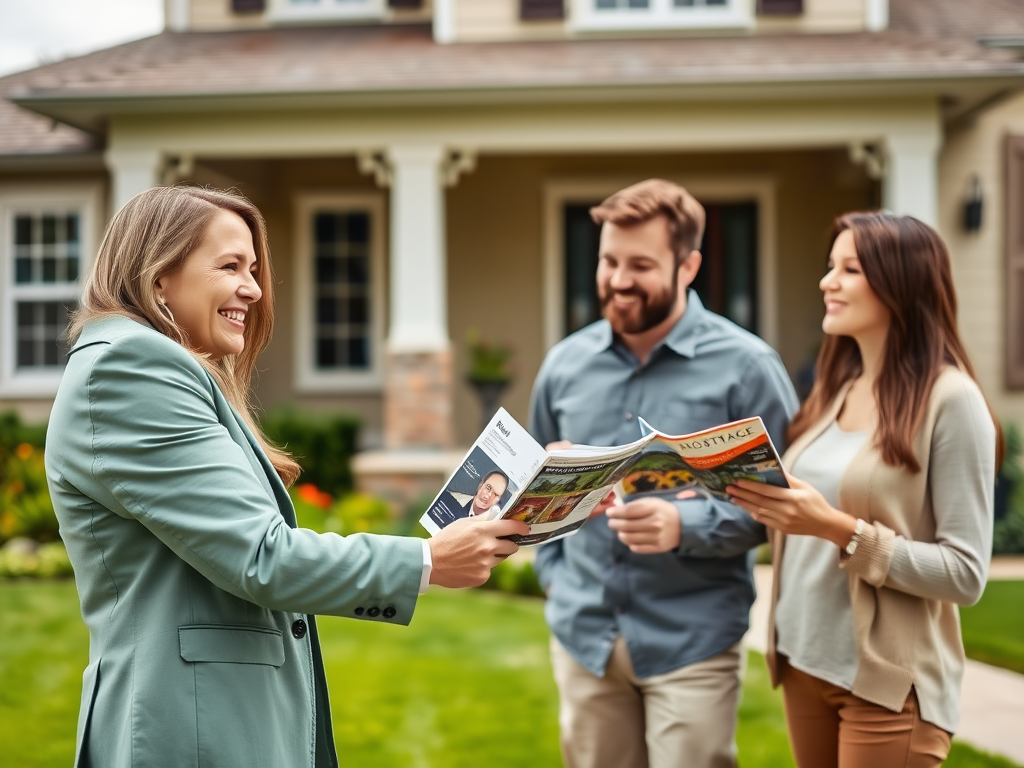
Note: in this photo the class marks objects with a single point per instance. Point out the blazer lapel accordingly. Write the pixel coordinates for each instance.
(261, 465)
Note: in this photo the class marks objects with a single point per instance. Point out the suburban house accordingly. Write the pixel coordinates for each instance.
(425, 168)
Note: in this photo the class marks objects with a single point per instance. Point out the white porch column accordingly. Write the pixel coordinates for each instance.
(911, 186)
(132, 171)
(418, 385)
(419, 316)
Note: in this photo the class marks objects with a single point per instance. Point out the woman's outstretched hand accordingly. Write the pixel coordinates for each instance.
(799, 509)
(464, 552)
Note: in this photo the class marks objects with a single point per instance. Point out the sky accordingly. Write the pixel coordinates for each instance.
(34, 32)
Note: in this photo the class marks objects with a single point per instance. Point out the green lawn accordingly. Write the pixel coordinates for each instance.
(993, 630)
(467, 684)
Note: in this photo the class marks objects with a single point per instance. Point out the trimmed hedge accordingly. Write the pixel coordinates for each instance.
(322, 444)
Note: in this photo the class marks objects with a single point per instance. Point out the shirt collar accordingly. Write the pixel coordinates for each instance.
(682, 338)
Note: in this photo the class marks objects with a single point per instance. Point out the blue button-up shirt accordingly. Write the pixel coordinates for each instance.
(679, 607)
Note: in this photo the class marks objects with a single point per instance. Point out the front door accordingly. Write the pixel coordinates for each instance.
(726, 282)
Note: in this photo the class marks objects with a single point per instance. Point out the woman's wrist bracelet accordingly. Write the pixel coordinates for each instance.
(857, 538)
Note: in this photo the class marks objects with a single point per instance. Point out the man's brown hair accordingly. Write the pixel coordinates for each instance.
(656, 197)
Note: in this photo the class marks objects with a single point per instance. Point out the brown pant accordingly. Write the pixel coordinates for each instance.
(686, 717)
(829, 727)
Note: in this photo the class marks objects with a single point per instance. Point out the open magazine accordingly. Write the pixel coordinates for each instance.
(508, 475)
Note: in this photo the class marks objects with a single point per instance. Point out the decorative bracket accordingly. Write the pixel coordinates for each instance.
(871, 156)
(456, 163)
(176, 168)
(375, 162)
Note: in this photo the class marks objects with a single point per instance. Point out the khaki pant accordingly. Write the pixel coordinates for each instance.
(685, 718)
(829, 727)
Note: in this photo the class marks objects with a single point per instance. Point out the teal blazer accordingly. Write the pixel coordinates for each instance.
(196, 585)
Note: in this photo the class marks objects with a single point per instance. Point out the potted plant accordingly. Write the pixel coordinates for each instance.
(489, 373)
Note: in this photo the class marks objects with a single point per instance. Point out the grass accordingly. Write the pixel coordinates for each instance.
(993, 630)
(467, 684)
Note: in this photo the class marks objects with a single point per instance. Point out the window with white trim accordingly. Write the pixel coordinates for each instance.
(45, 242)
(317, 10)
(661, 14)
(339, 295)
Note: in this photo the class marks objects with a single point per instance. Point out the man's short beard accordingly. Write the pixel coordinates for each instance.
(652, 311)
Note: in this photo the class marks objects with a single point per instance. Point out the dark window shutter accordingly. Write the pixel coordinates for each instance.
(540, 10)
(779, 7)
(1015, 261)
(247, 6)
(405, 3)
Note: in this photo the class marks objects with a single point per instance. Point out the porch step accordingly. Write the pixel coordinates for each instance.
(404, 476)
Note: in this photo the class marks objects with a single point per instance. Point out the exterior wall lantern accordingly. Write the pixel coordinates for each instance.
(973, 205)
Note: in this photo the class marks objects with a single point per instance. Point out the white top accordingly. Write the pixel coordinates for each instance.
(814, 617)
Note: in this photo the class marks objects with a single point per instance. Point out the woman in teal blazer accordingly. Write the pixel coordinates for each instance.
(197, 588)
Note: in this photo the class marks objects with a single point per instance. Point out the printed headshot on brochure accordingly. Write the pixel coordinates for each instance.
(479, 488)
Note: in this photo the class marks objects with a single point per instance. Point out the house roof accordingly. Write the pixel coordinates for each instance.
(27, 133)
(925, 46)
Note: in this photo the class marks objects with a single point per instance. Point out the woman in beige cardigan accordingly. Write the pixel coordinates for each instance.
(887, 525)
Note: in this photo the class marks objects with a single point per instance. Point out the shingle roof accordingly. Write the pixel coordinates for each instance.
(371, 59)
(26, 133)
(925, 41)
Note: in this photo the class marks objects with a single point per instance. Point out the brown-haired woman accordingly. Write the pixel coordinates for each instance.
(888, 527)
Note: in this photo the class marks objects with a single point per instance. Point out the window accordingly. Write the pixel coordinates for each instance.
(45, 242)
(314, 10)
(661, 14)
(339, 296)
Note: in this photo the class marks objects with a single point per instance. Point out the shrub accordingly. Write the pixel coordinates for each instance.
(1008, 535)
(13, 433)
(22, 558)
(516, 577)
(24, 496)
(323, 445)
(351, 513)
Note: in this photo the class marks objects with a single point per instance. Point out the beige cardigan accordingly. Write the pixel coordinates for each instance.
(909, 636)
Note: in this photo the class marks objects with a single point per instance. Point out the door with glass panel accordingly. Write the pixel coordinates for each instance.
(726, 283)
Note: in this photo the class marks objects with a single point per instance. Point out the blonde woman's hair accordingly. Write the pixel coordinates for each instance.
(151, 237)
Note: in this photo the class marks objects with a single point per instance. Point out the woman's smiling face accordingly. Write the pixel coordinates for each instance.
(211, 293)
(852, 308)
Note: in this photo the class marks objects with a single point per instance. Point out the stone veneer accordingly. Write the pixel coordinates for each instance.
(418, 400)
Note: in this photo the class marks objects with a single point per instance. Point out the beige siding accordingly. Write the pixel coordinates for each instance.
(211, 15)
(495, 243)
(819, 16)
(979, 258)
(273, 185)
(216, 15)
(495, 232)
(495, 20)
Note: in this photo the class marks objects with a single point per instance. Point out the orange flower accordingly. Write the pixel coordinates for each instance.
(23, 451)
(310, 494)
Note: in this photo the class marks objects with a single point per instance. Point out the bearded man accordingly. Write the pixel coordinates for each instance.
(647, 603)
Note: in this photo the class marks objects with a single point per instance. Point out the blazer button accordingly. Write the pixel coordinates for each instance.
(360, 611)
(299, 629)
(373, 612)
(389, 612)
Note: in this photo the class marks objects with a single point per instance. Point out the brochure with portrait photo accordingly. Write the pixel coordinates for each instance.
(508, 475)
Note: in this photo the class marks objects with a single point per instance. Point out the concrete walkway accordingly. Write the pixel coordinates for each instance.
(993, 699)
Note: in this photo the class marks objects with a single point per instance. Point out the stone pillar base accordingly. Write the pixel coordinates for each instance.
(404, 477)
(418, 400)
